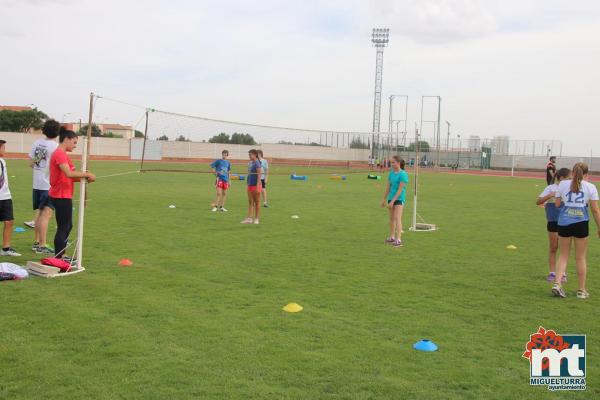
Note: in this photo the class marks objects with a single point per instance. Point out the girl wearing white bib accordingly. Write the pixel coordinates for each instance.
(575, 197)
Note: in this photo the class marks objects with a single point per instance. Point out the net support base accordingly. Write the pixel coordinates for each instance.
(46, 271)
(422, 227)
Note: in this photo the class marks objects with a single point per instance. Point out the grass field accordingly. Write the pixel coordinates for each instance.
(199, 314)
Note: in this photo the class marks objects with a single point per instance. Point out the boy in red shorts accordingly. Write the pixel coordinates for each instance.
(221, 169)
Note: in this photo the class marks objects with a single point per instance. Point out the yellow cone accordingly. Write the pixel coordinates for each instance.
(511, 247)
(293, 308)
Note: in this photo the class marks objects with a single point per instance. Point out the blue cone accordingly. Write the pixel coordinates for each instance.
(19, 229)
(425, 345)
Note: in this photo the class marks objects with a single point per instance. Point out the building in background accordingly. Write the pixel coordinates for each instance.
(117, 130)
(474, 143)
(500, 144)
(16, 108)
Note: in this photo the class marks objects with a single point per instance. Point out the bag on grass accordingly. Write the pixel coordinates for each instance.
(57, 262)
(6, 276)
(14, 269)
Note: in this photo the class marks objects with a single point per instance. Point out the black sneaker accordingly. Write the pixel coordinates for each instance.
(35, 247)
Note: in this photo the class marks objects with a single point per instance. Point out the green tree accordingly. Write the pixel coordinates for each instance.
(163, 137)
(138, 134)
(113, 135)
(182, 138)
(358, 144)
(21, 121)
(220, 138)
(242, 138)
(423, 146)
(96, 132)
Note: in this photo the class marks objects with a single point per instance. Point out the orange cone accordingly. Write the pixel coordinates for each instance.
(126, 262)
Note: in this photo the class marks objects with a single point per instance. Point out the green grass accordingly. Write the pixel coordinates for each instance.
(199, 314)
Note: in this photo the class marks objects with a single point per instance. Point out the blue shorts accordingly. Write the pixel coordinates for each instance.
(41, 199)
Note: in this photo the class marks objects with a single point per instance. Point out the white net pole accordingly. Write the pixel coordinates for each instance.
(83, 184)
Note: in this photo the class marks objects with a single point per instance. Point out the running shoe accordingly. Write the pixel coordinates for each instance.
(247, 221)
(29, 224)
(35, 247)
(265, 205)
(398, 243)
(45, 250)
(390, 240)
(564, 278)
(558, 291)
(10, 253)
(215, 209)
(256, 222)
(223, 209)
(583, 294)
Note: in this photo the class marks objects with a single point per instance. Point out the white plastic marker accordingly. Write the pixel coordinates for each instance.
(172, 206)
(295, 217)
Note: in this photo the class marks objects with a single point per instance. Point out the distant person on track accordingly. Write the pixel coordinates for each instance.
(221, 169)
(264, 177)
(576, 197)
(394, 199)
(254, 188)
(552, 212)
(550, 170)
(371, 163)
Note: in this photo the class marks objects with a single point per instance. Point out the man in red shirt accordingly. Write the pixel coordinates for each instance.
(62, 177)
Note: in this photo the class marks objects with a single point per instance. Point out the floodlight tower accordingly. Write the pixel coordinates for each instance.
(380, 39)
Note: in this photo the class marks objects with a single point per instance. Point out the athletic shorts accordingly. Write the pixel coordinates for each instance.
(398, 203)
(263, 183)
(552, 226)
(41, 199)
(579, 230)
(221, 184)
(253, 188)
(6, 210)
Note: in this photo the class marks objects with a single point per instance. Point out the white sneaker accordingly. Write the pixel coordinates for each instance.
(214, 209)
(255, 222)
(223, 209)
(29, 224)
(10, 253)
(247, 221)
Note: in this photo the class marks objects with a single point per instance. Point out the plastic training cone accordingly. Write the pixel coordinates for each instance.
(295, 217)
(425, 345)
(511, 247)
(19, 229)
(292, 308)
(126, 262)
(172, 206)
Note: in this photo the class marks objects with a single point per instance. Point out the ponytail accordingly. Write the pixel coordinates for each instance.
(579, 171)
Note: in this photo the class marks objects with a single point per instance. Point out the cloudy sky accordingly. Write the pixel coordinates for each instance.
(529, 69)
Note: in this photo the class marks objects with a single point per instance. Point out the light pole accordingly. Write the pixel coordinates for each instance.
(448, 138)
(380, 39)
(63, 117)
(459, 146)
